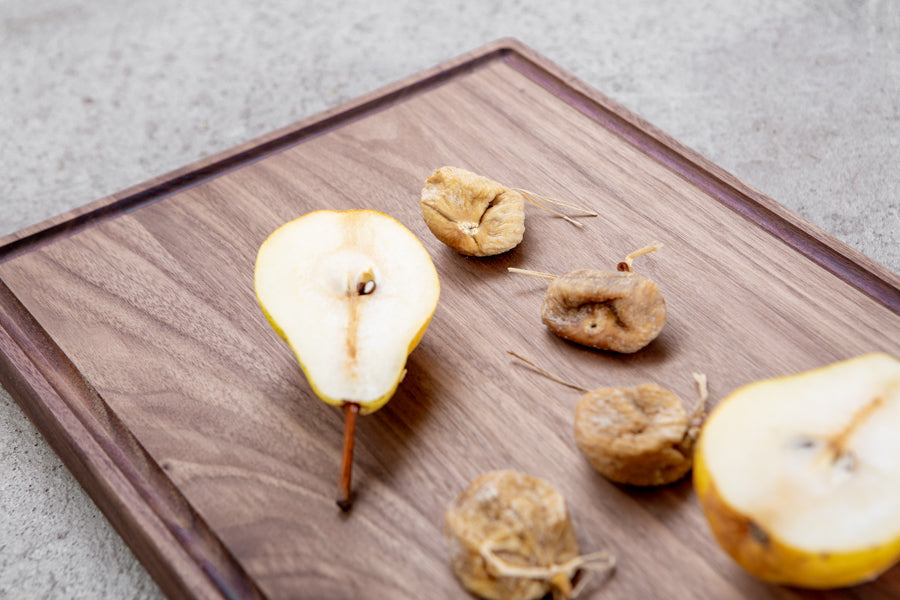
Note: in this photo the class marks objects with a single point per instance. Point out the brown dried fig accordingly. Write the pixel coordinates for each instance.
(636, 436)
(510, 537)
(477, 216)
(472, 214)
(620, 311)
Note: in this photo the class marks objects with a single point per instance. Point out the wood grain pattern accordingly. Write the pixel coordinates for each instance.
(131, 336)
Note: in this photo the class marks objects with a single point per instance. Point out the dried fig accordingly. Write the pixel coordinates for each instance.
(620, 311)
(477, 216)
(635, 436)
(510, 537)
(472, 214)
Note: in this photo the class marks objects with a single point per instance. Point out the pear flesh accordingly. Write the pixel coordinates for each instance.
(351, 292)
(800, 476)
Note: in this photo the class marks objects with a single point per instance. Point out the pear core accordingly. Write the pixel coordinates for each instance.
(351, 292)
(811, 463)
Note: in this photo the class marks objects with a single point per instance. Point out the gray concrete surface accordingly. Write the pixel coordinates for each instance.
(799, 98)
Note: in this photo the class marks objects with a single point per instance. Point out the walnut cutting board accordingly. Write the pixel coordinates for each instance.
(130, 334)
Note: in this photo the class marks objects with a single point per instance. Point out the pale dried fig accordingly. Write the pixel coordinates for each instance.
(636, 436)
(621, 312)
(477, 216)
(639, 436)
(474, 215)
(510, 537)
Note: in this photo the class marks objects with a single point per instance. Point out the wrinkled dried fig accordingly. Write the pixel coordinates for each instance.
(636, 436)
(472, 214)
(477, 216)
(510, 537)
(620, 311)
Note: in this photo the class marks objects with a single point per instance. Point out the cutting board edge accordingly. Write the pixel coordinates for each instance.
(814, 243)
(837, 257)
(154, 519)
(204, 169)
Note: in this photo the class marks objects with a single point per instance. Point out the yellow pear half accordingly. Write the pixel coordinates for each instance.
(352, 293)
(799, 476)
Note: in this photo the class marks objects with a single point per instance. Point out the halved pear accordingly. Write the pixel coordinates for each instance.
(799, 477)
(352, 292)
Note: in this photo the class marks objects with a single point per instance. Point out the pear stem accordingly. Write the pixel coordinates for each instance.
(345, 501)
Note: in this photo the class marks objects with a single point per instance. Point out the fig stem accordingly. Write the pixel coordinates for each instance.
(702, 386)
(548, 374)
(344, 500)
(703, 391)
(537, 200)
(625, 265)
(555, 202)
(531, 273)
(559, 575)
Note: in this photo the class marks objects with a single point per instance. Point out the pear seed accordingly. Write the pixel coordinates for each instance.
(365, 287)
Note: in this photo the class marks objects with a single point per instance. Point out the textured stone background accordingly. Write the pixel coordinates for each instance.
(799, 98)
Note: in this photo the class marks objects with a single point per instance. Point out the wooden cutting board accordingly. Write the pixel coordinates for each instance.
(131, 336)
